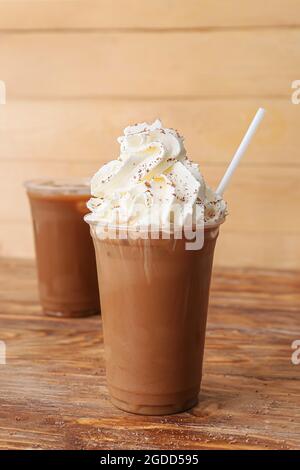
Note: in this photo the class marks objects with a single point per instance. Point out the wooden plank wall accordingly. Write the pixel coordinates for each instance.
(77, 72)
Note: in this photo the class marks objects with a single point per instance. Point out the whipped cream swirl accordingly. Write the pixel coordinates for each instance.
(152, 181)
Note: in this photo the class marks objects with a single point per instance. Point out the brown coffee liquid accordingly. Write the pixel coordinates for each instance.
(154, 299)
(65, 255)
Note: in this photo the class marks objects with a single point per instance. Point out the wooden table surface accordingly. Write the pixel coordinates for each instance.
(53, 392)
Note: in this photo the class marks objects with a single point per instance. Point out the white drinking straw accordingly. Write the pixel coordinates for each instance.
(240, 151)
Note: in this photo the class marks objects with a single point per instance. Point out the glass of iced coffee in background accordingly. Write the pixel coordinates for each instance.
(154, 291)
(65, 255)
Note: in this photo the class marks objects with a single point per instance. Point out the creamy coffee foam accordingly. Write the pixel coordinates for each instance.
(152, 181)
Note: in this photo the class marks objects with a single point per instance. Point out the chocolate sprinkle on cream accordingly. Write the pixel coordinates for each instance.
(152, 156)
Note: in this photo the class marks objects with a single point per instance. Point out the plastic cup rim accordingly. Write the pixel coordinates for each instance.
(58, 186)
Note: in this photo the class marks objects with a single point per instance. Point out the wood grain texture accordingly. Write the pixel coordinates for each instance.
(78, 71)
(87, 130)
(53, 390)
(120, 14)
(151, 65)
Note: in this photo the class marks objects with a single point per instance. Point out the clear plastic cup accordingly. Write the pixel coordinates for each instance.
(65, 255)
(154, 300)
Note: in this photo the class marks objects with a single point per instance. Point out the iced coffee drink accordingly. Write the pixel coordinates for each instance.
(154, 285)
(65, 255)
